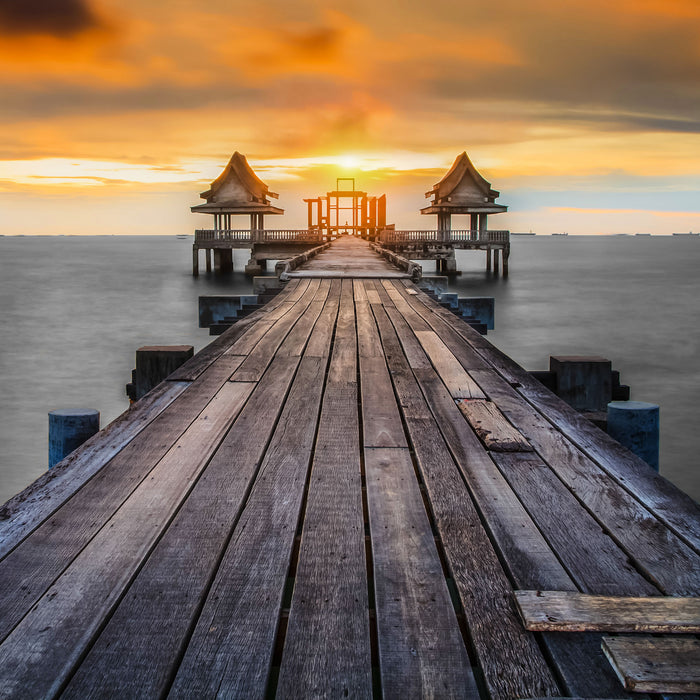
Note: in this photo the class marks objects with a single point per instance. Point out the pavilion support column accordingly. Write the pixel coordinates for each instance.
(449, 264)
(496, 265)
(474, 226)
(506, 255)
(195, 260)
(207, 258)
(488, 259)
(482, 225)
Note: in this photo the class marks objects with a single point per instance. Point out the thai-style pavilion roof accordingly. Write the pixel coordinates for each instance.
(463, 190)
(238, 190)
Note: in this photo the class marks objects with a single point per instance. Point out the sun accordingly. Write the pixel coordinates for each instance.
(349, 161)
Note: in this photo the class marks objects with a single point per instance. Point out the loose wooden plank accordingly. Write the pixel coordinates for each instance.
(23, 513)
(27, 571)
(578, 658)
(655, 665)
(592, 558)
(327, 648)
(482, 585)
(240, 615)
(565, 611)
(497, 434)
(205, 357)
(421, 652)
(39, 654)
(664, 558)
(455, 377)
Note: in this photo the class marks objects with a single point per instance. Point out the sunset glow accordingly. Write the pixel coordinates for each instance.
(560, 105)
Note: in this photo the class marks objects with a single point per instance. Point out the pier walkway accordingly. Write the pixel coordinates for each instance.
(337, 497)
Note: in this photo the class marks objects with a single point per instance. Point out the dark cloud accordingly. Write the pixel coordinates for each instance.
(61, 18)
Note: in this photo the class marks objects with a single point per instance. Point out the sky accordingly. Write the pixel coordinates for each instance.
(584, 114)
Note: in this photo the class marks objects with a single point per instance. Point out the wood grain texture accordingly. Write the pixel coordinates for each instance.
(455, 377)
(239, 618)
(41, 652)
(28, 571)
(23, 513)
(497, 434)
(565, 611)
(421, 652)
(327, 646)
(191, 369)
(663, 557)
(655, 665)
(482, 585)
(138, 652)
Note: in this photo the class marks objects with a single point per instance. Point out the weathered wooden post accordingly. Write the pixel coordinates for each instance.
(584, 382)
(68, 429)
(635, 424)
(153, 364)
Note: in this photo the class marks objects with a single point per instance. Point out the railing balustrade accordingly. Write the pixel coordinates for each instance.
(454, 236)
(258, 236)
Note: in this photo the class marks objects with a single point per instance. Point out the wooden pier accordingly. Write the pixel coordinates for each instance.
(338, 497)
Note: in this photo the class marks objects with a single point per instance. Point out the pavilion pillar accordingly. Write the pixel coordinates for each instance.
(488, 260)
(195, 260)
(496, 251)
(207, 258)
(474, 227)
(506, 255)
(310, 214)
(482, 225)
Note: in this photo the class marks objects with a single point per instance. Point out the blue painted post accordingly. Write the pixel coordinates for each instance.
(68, 429)
(635, 424)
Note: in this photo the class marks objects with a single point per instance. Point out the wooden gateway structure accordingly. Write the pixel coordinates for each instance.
(462, 191)
(352, 494)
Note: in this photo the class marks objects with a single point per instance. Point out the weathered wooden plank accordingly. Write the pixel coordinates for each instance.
(260, 356)
(327, 645)
(204, 358)
(482, 585)
(655, 665)
(23, 513)
(359, 292)
(565, 611)
(665, 559)
(497, 434)
(673, 507)
(421, 652)
(455, 377)
(27, 571)
(528, 557)
(239, 618)
(138, 651)
(591, 557)
(39, 654)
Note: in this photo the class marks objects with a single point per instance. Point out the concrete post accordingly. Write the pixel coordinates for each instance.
(635, 424)
(207, 257)
(496, 268)
(195, 260)
(488, 259)
(68, 429)
(584, 382)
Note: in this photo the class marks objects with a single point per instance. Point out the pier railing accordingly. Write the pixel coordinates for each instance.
(258, 236)
(389, 236)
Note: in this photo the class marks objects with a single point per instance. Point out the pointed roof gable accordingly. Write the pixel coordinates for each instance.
(237, 190)
(463, 190)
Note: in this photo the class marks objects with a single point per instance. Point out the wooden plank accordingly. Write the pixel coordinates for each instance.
(482, 585)
(673, 507)
(28, 571)
(260, 356)
(204, 358)
(138, 651)
(566, 611)
(529, 558)
(592, 558)
(23, 513)
(455, 377)
(664, 558)
(327, 644)
(655, 665)
(39, 655)
(239, 618)
(497, 434)
(420, 645)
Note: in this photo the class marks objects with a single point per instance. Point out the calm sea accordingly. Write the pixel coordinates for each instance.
(74, 309)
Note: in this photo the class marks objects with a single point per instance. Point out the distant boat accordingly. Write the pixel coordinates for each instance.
(181, 236)
(642, 234)
(690, 233)
(529, 233)
(560, 234)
